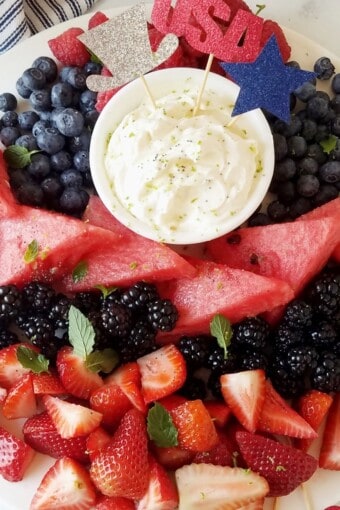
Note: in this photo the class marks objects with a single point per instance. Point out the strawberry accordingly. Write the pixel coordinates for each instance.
(333, 507)
(219, 412)
(68, 49)
(111, 402)
(219, 455)
(163, 372)
(313, 407)
(20, 401)
(65, 485)
(244, 393)
(121, 468)
(128, 378)
(161, 493)
(172, 401)
(74, 375)
(15, 456)
(255, 505)
(283, 466)
(330, 448)
(71, 420)
(3, 394)
(196, 430)
(175, 60)
(208, 487)
(106, 503)
(104, 97)
(96, 440)
(278, 417)
(173, 457)
(272, 28)
(97, 19)
(11, 370)
(41, 434)
(47, 383)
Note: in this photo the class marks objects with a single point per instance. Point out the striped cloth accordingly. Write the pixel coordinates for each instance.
(21, 18)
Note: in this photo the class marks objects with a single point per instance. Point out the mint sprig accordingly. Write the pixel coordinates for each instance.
(221, 329)
(32, 359)
(329, 144)
(160, 427)
(106, 291)
(80, 332)
(17, 156)
(80, 271)
(31, 252)
(102, 361)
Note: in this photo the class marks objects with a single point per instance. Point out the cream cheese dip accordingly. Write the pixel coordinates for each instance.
(180, 173)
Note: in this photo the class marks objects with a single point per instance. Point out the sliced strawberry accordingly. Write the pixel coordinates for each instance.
(161, 493)
(68, 49)
(219, 412)
(47, 383)
(330, 448)
(173, 457)
(111, 402)
(75, 377)
(41, 434)
(71, 420)
(313, 407)
(121, 468)
(196, 430)
(66, 485)
(220, 455)
(3, 394)
(255, 505)
(97, 19)
(278, 417)
(106, 503)
(284, 467)
(163, 372)
(128, 378)
(172, 401)
(96, 440)
(11, 370)
(20, 401)
(203, 486)
(15, 456)
(244, 393)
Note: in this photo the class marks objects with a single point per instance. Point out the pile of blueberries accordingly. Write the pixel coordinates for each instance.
(57, 129)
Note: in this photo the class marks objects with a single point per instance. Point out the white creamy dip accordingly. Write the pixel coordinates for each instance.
(177, 172)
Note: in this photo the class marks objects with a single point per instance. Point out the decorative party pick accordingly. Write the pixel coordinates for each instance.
(122, 44)
(267, 82)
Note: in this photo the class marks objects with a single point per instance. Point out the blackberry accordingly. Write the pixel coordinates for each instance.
(285, 336)
(326, 375)
(51, 347)
(216, 361)
(38, 297)
(286, 385)
(116, 319)
(194, 388)
(323, 335)
(298, 314)
(195, 350)
(252, 360)
(324, 294)
(140, 341)
(39, 329)
(251, 333)
(214, 385)
(162, 314)
(139, 295)
(7, 338)
(102, 339)
(10, 302)
(58, 312)
(300, 359)
(87, 301)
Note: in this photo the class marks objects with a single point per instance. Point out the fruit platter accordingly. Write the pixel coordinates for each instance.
(141, 375)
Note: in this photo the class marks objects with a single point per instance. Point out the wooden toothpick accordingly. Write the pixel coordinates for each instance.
(148, 91)
(200, 94)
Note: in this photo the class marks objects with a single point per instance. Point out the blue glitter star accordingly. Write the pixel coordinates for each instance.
(267, 82)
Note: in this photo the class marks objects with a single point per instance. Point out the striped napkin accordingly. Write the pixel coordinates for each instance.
(21, 18)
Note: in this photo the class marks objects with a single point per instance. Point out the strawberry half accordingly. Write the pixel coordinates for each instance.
(96, 440)
(284, 467)
(219, 412)
(106, 503)
(161, 493)
(221, 455)
(20, 401)
(121, 468)
(11, 370)
(163, 372)
(47, 383)
(71, 420)
(15, 456)
(330, 448)
(244, 393)
(65, 485)
(204, 486)
(128, 378)
(111, 402)
(313, 407)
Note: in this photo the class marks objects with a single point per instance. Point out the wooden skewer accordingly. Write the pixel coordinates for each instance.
(306, 498)
(200, 94)
(148, 91)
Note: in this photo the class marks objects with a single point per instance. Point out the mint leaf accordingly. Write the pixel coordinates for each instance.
(220, 328)
(32, 359)
(31, 252)
(80, 332)
(106, 291)
(161, 428)
(17, 156)
(329, 144)
(80, 271)
(260, 8)
(94, 58)
(102, 361)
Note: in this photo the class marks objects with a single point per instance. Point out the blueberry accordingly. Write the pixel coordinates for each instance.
(336, 83)
(39, 166)
(297, 146)
(70, 122)
(64, 73)
(51, 187)
(61, 95)
(8, 102)
(330, 172)
(33, 79)
(286, 192)
(45, 115)
(28, 141)
(81, 161)
(309, 129)
(19, 177)
(335, 103)
(316, 152)
(280, 146)
(335, 126)
(317, 107)
(307, 166)
(61, 161)
(27, 119)
(277, 211)
(39, 126)
(307, 185)
(301, 205)
(91, 118)
(322, 132)
(73, 201)
(48, 66)
(40, 100)
(71, 178)
(288, 128)
(77, 78)
(92, 68)
(324, 68)
(335, 153)
(30, 193)
(23, 91)
(305, 91)
(50, 140)
(54, 113)
(80, 143)
(10, 119)
(8, 135)
(326, 193)
(259, 220)
(284, 170)
(87, 100)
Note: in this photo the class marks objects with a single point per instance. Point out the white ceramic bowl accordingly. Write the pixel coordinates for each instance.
(161, 83)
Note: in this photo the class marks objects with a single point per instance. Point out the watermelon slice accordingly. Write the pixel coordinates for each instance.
(293, 252)
(8, 204)
(133, 258)
(218, 289)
